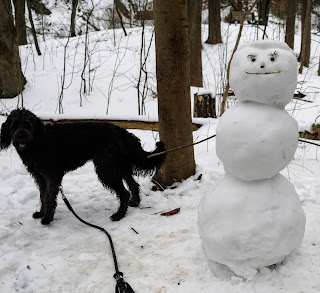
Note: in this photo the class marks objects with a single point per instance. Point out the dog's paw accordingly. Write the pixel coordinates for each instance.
(133, 203)
(37, 215)
(117, 216)
(46, 221)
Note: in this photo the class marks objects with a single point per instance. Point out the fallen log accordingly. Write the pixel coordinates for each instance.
(127, 124)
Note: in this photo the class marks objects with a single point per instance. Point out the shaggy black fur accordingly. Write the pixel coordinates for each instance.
(50, 151)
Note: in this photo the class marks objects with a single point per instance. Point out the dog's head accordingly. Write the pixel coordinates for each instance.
(21, 128)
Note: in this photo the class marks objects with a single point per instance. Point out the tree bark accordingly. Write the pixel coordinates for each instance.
(306, 41)
(204, 106)
(291, 9)
(214, 23)
(303, 17)
(12, 80)
(20, 21)
(173, 85)
(73, 18)
(194, 15)
(263, 11)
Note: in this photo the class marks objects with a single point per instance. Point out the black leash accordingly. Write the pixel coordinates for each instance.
(181, 147)
(121, 286)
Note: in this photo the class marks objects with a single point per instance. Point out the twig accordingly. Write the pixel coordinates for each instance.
(134, 230)
(225, 94)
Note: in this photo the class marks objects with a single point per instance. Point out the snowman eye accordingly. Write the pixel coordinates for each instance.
(273, 56)
(252, 58)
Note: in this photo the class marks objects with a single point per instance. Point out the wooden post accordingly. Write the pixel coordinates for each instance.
(204, 106)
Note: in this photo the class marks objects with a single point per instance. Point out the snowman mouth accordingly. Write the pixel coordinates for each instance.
(261, 73)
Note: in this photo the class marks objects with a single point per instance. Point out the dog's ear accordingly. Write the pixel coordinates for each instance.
(5, 139)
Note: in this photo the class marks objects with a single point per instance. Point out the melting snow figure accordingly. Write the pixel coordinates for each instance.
(253, 217)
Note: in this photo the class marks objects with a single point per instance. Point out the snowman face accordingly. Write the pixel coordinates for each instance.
(264, 72)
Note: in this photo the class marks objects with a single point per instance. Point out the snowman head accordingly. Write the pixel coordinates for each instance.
(264, 72)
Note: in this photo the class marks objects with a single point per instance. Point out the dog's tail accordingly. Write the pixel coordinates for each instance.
(145, 165)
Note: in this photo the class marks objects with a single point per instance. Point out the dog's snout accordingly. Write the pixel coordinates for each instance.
(21, 134)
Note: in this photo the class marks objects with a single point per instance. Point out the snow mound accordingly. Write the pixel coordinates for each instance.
(248, 225)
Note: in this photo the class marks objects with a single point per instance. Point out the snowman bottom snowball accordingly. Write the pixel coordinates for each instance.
(249, 225)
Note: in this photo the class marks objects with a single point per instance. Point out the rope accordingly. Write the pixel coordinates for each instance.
(181, 147)
(121, 286)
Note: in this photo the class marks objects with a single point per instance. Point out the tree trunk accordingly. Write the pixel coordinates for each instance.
(214, 22)
(291, 9)
(319, 68)
(33, 29)
(12, 80)
(306, 42)
(173, 85)
(263, 11)
(73, 18)
(20, 21)
(194, 15)
(303, 17)
(204, 106)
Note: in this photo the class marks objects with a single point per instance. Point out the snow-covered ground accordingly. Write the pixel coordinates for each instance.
(166, 255)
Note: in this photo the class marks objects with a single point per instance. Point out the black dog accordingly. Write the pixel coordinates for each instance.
(50, 151)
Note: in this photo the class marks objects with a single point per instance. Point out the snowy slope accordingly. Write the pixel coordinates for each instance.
(166, 255)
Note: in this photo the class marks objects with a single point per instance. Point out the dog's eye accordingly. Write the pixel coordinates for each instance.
(15, 124)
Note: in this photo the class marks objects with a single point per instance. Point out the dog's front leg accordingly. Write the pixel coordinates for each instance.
(42, 184)
(49, 200)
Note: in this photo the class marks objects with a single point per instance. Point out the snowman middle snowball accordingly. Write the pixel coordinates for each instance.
(256, 141)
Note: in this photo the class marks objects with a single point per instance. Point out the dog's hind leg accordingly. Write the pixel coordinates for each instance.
(122, 194)
(134, 189)
(109, 173)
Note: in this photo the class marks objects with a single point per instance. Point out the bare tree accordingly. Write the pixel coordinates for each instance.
(303, 17)
(12, 80)
(73, 18)
(306, 41)
(291, 9)
(173, 84)
(33, 29)
(194, 15)
(263, 11)
(20, 21)
(214, 22)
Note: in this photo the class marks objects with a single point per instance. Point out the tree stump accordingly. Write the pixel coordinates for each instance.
(204, 106)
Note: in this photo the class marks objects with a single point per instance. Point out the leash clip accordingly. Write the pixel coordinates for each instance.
(118, 276)
(62, 193)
